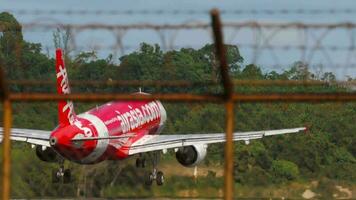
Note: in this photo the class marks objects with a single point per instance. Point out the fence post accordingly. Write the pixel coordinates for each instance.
(6, 143)
(229, 104)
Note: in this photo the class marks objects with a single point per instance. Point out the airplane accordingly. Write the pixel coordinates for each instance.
(118, 130)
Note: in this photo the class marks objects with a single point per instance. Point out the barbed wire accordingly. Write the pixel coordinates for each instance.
(195, 25)
(311, 43)
(185, 12)
(240, 45)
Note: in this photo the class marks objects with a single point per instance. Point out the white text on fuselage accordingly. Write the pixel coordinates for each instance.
(136, 117)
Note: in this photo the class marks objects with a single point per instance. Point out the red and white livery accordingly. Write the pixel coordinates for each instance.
(117, 130)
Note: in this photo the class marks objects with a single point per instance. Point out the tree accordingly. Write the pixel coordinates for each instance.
(11, 44)
(299, 71)
(62, 38)
(328, 76)
(11, 39)
(252, 72)
(284, 170)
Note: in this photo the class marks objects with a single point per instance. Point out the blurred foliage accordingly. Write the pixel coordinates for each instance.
(327, 150)
(284, 170)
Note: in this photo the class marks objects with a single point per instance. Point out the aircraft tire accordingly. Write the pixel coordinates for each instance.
(55, 178)
(160, 178)
(149, 179)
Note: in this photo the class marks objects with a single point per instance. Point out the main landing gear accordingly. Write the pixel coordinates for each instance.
(154, 175)
(141, 162)
(61, 174)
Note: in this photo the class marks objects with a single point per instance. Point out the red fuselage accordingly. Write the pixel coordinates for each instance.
(132, 119)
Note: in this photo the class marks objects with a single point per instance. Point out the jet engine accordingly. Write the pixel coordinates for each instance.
(47, 154)
(191, 156)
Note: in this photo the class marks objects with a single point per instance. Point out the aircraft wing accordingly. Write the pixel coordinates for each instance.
(163, 142)
(37, 137)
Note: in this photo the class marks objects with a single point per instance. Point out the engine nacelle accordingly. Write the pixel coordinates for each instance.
(191, 156)
(47, 155)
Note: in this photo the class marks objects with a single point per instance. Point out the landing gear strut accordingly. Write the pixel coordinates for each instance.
(155, 175)
(141, 162)
(61, 173)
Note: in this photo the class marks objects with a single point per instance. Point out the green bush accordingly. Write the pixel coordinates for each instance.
(255, 176)
(341, 171)
(284, 170)
(343, 156)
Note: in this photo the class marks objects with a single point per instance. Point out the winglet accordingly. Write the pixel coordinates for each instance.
(66, 114)
(307, 128)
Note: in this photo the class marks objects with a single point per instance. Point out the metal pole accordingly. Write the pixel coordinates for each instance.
(6, 165)
(221, 53)
(295, 97)
(229, 151)
(180, 97)
(229, 104)
(109, 97)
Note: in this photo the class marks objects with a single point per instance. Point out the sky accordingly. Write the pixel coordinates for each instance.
(182, 5)
(195, 38)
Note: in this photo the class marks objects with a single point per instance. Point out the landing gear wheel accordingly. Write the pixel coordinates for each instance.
(55, 177)
(67, 176)
(149, 179)
(160, 178)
